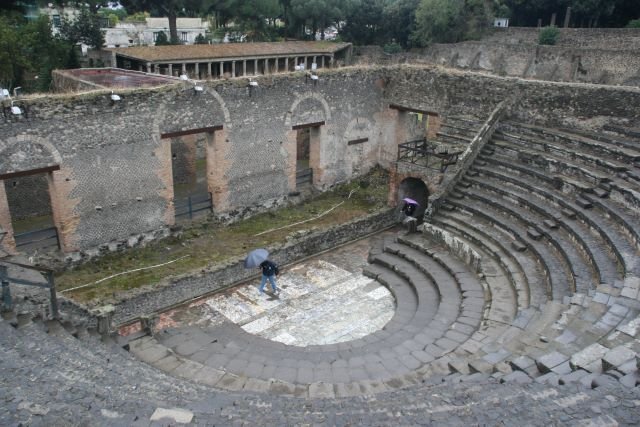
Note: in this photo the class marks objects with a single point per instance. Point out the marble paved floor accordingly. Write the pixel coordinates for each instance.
(322, 300)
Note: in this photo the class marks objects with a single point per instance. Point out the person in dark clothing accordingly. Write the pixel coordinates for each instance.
(409, 209)
(269, 272)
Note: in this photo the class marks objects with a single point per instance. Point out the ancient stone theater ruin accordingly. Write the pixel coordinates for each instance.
(516, 302)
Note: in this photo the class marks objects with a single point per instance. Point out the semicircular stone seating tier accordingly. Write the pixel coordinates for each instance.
(528, 276)
(551, 294)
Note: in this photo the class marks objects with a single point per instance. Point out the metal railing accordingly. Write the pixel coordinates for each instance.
(424, 154)
(43, 238)
(304, 176)
(6, 280)
(193, 205)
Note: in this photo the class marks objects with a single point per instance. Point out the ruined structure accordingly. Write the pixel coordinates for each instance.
(523, 284)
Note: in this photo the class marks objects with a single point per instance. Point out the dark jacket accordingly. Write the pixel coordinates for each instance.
(409, 209)
(269, 268)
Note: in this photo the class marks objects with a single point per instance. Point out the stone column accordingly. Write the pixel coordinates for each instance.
(171, 70)
(295, 62)
(255, 67)
(197, 76)
(221, 69)
(233, 68)
(244, 68)
(209, 70)
(184, 68)
(7, 243)
(305, 63)
(286, 64)
(313, 61)
(149, 69)
(322, 61)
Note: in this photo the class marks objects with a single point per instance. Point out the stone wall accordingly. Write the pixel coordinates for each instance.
(148, 301)
(598, 55)
(28, 196)
(115, 178)
(115, 183)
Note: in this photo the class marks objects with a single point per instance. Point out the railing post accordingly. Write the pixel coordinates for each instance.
(54, 297)
(7, 303)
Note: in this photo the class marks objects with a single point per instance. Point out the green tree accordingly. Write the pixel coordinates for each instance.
(548, 35)
(400, 20)
(634, 23)
(162, 39)
(29, 52)
(317, 14)
(83, 28)
(438, 21)
(200, 39)
(450, 21)
(365, 23)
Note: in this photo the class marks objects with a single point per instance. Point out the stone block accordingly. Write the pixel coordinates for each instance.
(518, 246)
(175, 415)
(588, 355)
(630, 380)
(617, 357)
(549, 361)
(534, 233)
(569, 213)
(584, 204)
(481, 366)
(550, 224)
(517, 377)
(522, 363)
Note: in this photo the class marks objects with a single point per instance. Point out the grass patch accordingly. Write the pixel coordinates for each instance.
(207, 244)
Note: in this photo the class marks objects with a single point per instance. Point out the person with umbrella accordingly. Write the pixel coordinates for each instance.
(409, 209)
(259, 258)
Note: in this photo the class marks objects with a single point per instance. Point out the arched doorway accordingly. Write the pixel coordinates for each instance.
(416, 189)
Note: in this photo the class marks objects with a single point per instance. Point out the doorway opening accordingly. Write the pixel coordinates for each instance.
(191, 194)
(304, 173)
(415, 189)
(307, 152)
(31, 211)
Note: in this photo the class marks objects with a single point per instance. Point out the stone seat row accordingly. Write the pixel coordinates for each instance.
(485, 187)
(617, 226)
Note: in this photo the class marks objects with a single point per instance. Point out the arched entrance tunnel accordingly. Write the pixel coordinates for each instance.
(416, 189)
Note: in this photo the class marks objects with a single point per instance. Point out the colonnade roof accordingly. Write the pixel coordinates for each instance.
(210, 52)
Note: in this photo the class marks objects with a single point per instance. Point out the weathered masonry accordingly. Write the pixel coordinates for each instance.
(106, 165)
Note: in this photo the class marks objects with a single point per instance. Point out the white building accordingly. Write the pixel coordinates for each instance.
(127, 34)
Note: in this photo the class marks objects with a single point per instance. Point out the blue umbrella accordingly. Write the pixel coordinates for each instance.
(255, 258)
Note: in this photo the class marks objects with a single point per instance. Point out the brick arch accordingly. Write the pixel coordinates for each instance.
(170, 120)
(308, 96)
(25, 152)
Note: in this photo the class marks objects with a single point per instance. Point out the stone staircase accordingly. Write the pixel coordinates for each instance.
(559, 212)
(520, 300)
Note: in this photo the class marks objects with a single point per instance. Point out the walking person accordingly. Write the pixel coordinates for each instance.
(269, 272)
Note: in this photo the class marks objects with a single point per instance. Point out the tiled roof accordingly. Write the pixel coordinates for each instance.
(227, 50)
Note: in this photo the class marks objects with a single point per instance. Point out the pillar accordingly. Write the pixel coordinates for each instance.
(305, 63)
(295, 62)
(313, 61)
(7, 243)
(149, 67)
(255, 67)
(197, 76)
(171, 69)
(322, 61)
(184, 68)
(221, 69)
(209, 70)
(244, 68)
(286, 64)
(233, 68)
